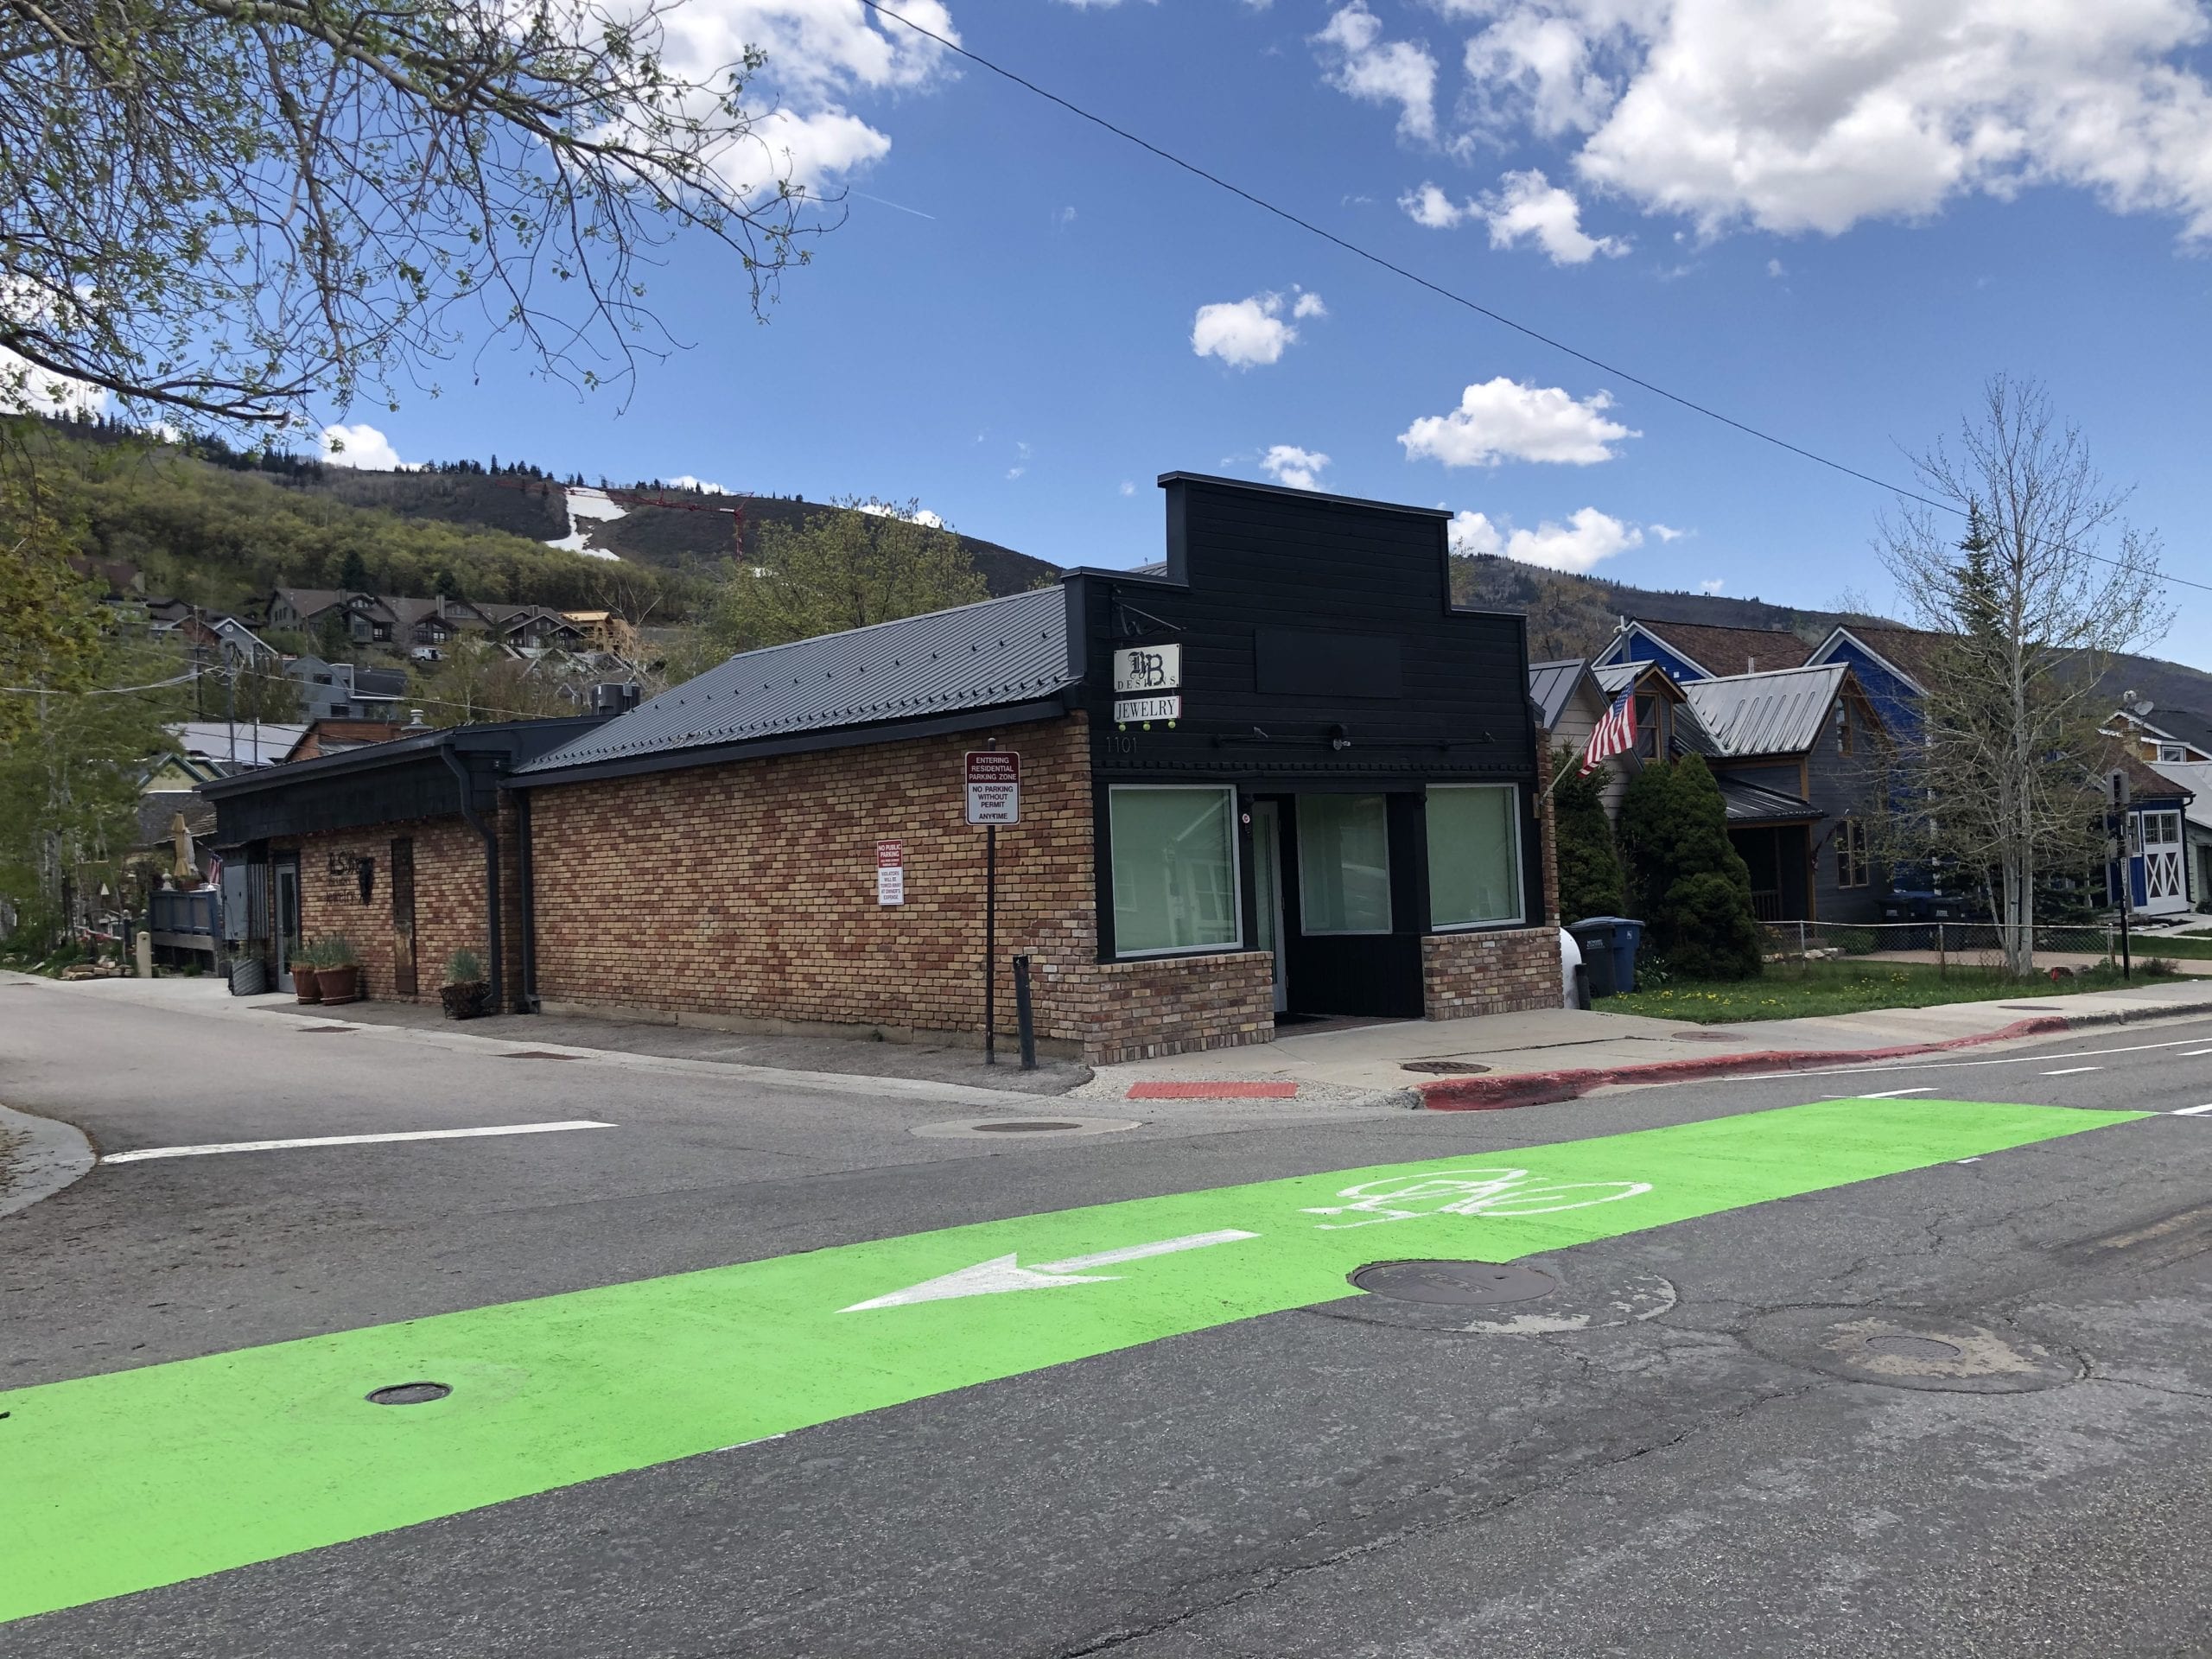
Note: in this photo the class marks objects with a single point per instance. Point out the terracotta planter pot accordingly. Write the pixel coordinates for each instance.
(305, 983)
(338, 984)
(467, 1001)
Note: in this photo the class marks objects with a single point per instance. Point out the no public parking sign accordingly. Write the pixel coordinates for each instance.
(994, 787)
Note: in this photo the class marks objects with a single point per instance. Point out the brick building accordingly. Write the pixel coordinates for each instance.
(1277, 776)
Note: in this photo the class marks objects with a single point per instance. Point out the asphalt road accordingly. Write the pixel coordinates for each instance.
(1679, 1454)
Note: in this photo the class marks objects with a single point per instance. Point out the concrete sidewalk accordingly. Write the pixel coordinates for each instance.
(1559, 1053)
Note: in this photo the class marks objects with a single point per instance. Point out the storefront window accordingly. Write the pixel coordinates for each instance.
(1474, 856)
(1343, 864)
(1174, 854)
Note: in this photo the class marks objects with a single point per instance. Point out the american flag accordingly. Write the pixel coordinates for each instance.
(1614, 735)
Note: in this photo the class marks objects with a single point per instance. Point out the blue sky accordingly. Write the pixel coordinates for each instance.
(1832, 219)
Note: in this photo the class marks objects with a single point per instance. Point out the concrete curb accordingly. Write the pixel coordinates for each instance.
(53, 1155)
(1546, 1088)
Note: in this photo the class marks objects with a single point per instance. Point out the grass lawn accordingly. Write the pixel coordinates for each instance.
(1789, 991)
(2156, 944)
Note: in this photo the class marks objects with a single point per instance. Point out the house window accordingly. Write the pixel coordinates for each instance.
(1851, 862)
(1842, 727)
(1343, 864)
(1647, 726)
(340, 711)
(2173, 751)
(1174, 863)
(1474, 854)
(380, 631)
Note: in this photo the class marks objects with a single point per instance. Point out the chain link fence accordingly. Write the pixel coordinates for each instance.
(1977, 947)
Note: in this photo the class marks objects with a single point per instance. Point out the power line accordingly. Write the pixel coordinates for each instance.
(1442, 292)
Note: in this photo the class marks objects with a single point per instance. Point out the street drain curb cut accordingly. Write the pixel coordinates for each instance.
(1021, 1128)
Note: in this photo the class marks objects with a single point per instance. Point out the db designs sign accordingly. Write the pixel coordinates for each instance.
(1147, 681)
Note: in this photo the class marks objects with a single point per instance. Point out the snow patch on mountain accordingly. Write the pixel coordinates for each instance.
(592, 506)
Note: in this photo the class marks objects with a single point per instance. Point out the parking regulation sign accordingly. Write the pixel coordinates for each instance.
(994, 787)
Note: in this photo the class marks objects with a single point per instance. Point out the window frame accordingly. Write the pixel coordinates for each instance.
(1515, 863)
(1855, 868)
(1390, 885)
(1235, 872)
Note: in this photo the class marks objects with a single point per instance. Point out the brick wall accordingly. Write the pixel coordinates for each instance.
(1548, 828)
(1143, 1010)
(1498, 972)
(448, 899)
(745, 894)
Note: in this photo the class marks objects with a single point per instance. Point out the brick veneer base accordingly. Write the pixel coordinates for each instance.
(1153, 1006)
(448, 899)
(1500, 972)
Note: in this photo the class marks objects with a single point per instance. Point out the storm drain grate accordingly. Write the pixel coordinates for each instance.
(1455, 1284)
(534, 1054)
(1444, 1068)
(407, 1394)
(311, 1031)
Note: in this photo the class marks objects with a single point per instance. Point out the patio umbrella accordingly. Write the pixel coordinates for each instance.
(187, 868)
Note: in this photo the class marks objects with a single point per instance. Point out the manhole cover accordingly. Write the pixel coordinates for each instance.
(1040, 1127)
(534, 1054)
(1913, 1347)
(1444, 1068)
(1455, 1284)
(1902, 1350)
(408, 1394)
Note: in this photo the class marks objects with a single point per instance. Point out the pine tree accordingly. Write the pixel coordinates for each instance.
(1689, 884)
(1591, 882)
(353, 575)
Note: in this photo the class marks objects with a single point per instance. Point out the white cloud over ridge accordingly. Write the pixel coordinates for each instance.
(1363, 65)
(1503, 420)
(1588, 539)
(361, 446)
(1527, 206)
(1301, 469)
(1247, 332)
(1819, 114)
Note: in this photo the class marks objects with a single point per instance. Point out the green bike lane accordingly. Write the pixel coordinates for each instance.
(132, 1479)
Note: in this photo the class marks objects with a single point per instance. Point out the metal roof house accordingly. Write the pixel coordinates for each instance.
(1281, 776)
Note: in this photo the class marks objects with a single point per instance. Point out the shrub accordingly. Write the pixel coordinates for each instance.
(463, 968)
(1687, 883)
(1590, 878)
(335, 950)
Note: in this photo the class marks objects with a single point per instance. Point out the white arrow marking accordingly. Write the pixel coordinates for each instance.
(1001, 1273)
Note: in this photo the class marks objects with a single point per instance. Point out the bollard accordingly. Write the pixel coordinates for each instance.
(1022, 1014)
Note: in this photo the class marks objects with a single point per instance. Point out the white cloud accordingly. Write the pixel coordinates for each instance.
(1301, 469)
(1711, 585)
(361, 446)
(1367, 67)
(1128, 487)
(25, 390)
(1502, 420)
(1774, 267)
(820, 55)
(1587, 538)
(1667, 532)
(685, 481)
(1429, 206)
(1817, 115)
(1527, 206)
(888, 510)
(1245, 333)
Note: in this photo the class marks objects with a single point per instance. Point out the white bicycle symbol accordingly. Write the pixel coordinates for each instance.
(1468, 1192)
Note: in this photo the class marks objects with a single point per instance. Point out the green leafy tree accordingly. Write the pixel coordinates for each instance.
(1687, 883)
(872, 562)
(70, 781)
(230, 214)
(1590, 880)
(54, 632)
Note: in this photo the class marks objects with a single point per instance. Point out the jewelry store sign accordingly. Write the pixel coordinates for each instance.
(1147, 684)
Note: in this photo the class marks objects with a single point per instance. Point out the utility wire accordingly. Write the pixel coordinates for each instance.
(1438, 289)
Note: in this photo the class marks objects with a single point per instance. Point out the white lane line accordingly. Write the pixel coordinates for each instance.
(1943, 1065)
(145, 1153)
(2190, 1111)
(2069, 1071)
(1890, 1094)
(2194, 1054)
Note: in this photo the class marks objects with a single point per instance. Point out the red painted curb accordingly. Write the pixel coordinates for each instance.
(1543, 1088)
(1210, 1091)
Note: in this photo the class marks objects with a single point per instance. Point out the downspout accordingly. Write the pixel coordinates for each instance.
(526, 869)
(490, 865)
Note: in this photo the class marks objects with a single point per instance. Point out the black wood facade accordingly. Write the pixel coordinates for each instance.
(1321, 652)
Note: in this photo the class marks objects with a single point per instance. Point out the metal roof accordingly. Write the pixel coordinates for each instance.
(1615, 676)
(1766, 713)
(1550, 684)
(1749, 802)
(1000, 651)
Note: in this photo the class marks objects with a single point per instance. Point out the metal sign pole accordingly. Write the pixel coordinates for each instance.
(990, 943)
